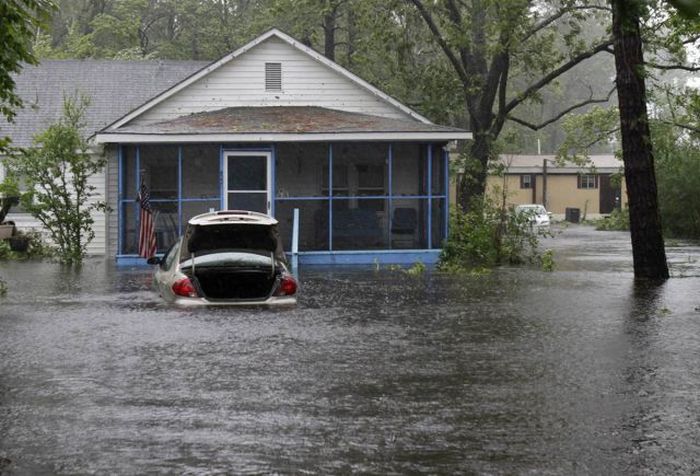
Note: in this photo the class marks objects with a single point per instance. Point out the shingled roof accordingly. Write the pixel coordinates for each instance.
(281, 119)
(114, 89)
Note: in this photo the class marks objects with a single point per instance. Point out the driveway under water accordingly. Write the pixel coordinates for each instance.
(518, 371)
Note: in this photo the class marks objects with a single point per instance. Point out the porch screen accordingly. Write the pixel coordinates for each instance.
(183, 182)
(362, 196)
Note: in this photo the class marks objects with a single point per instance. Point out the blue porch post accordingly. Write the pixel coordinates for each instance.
(138, 186)
(391, 190)
(221, 177)
(330, 197)
(430, 195)
(273, 179)
(120, 197)
(179, 190)
(446, 187)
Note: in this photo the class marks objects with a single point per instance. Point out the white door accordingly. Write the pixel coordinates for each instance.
(247, 181)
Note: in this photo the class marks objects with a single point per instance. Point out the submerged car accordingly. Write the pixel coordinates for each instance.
(230, 257)
(538, 217)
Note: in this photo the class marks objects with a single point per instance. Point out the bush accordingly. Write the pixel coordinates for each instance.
(487, 236)
(618, 220)
(37, 247)
(57, 172)
(5, 251)
(679, 190)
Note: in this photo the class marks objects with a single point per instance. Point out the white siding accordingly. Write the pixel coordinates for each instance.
(241, 82)
(97, 246)
(112, 187)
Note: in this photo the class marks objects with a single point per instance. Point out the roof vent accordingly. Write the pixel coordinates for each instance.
(273, 76)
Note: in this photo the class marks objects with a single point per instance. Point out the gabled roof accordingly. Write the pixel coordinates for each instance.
(113, 87)
(240, 51)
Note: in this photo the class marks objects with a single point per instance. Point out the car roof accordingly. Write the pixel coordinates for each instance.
(224, 217)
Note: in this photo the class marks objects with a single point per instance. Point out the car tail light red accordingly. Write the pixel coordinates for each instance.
(184, 287)
(288, 285)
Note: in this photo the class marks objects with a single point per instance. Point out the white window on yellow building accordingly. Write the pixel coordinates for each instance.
(587, 181)
(526, 181)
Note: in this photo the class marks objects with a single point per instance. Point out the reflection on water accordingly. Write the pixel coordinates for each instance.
(576, 371)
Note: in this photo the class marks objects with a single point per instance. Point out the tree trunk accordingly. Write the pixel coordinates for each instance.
(329, 20)
(645, 223)
(473, 182)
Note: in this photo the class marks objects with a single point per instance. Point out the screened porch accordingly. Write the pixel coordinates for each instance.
(351, 197)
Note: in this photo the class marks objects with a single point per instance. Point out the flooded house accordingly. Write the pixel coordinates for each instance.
(271, 127)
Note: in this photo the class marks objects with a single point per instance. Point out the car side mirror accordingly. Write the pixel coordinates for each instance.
(154, 260)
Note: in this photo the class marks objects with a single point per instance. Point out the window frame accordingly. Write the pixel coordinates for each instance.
(587, 181)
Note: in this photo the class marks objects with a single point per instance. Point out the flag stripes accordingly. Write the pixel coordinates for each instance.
(147, 226)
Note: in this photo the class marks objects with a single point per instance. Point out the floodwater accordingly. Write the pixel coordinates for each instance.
(520, 371)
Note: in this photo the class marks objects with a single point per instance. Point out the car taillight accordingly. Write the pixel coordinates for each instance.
(184, 287)
(288, 285)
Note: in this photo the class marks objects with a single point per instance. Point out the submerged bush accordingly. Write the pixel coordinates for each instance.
(618, 220)
(36, 247)
(487, 236)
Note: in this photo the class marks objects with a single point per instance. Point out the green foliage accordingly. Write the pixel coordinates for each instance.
(3, 287)
(618, 220)
(19, 19)
(678, 179)
(5, 251)
(37, 248)
(56, 172)
(416, 269)
(547, 260)
(487, 236)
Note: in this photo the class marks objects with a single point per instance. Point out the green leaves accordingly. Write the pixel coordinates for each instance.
(56, 173)
(18, 21)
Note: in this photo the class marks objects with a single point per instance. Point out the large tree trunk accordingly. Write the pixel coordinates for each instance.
(645, 223)
(473, 183)
(329, 26)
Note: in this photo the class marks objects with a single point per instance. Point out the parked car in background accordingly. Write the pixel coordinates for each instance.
(538, 217)
(230, 257)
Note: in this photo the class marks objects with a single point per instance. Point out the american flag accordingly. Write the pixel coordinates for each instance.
(147, 226)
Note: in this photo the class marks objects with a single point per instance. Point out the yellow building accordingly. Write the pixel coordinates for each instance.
(591, 188)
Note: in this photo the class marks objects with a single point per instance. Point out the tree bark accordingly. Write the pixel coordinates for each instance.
(645, 223)
(473, 183)
(329, 26)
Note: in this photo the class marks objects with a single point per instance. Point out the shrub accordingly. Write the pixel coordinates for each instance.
(5, 251)
(618, 220)
(487, 236)
(57, 171)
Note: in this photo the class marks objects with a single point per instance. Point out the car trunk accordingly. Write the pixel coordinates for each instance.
(231, 283)
(233, 262)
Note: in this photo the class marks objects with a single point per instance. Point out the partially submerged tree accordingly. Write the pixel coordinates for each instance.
(487, 42)
(637, 154)
(56, 173)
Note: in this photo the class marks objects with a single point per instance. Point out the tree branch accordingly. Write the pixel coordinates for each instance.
(563, 113)
(556, 16)
(672, 66)
(532, 89)
(441, 41)
(687, 127)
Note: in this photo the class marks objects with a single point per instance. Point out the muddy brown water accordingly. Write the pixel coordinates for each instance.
(577, 371)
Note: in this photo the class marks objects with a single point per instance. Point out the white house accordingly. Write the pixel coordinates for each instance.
(271, 127)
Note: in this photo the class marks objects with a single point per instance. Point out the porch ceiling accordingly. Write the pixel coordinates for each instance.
(281, 123)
